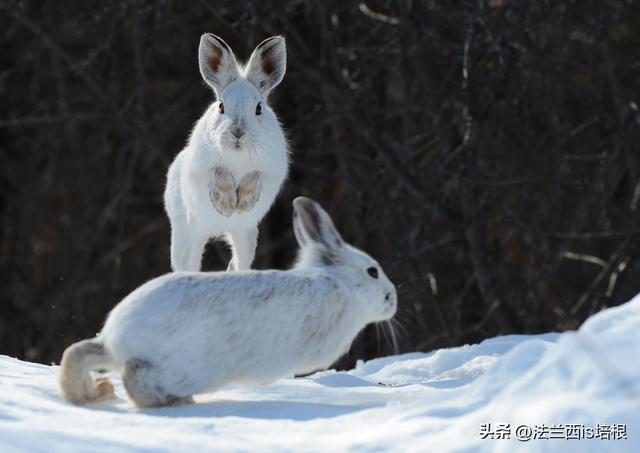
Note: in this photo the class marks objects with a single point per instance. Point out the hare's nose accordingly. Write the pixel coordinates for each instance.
(237, 132)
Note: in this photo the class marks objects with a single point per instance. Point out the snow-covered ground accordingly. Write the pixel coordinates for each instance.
(440, 401)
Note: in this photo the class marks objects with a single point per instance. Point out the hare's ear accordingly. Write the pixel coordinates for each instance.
(218, 65)
(311, 224)
(268, 64)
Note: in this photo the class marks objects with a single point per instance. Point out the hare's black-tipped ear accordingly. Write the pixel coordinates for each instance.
(311, 224)
(298, 230)
(218, 65)
(268, 64)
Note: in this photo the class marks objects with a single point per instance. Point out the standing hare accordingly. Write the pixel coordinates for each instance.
(227, 177)
(221, 328)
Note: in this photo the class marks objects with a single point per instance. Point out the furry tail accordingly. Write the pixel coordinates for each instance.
(76, 384)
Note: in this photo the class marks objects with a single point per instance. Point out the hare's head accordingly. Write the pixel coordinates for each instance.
(321, 245)
(242, 120)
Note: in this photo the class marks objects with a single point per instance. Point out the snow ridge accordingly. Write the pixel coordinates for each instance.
(435, 401)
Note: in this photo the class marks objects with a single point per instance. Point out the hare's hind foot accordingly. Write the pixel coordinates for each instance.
(143, 385)
(77, 384)
(104, 386)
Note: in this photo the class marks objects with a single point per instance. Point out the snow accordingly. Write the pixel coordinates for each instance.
(418, 402)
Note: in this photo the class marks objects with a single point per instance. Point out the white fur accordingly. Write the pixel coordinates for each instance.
(263, 148)
(198, 332)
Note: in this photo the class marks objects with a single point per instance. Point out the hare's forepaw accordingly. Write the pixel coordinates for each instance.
(249, 191)
(222, 191)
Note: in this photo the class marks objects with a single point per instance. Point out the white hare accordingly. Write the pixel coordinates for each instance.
(187, 332)
(227, 177)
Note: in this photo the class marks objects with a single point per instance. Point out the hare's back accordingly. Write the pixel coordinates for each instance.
(210, 306)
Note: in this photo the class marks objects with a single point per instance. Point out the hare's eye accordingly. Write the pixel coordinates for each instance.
(258, 109)
(221, 108)
(373, 272)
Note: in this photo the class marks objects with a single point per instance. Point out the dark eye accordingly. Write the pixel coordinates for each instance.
(258, 109)
(372, 271)
(221, 108)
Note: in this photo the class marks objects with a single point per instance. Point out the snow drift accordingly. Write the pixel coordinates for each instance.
(471, 398)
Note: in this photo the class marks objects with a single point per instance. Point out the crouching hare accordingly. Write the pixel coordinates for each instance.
(227, 177)
(221, 328)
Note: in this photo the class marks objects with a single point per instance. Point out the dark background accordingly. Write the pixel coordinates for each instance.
(485, 152)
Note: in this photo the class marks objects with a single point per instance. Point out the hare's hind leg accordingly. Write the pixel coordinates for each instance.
(187, 246)
(243, 248)
(76, 384)
(143, 383)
